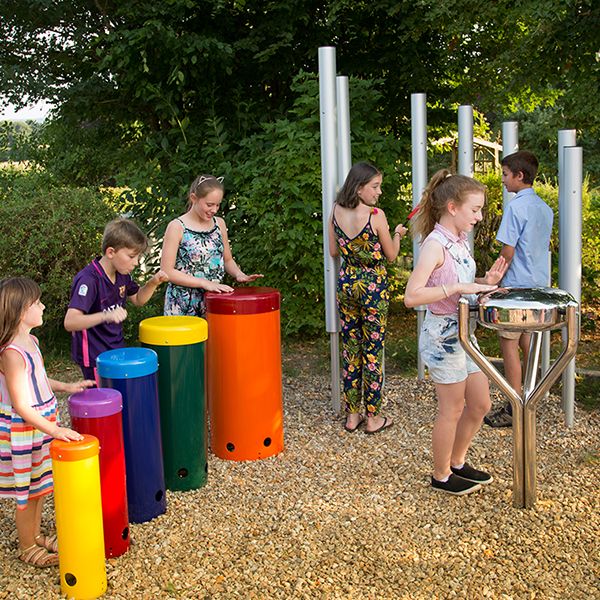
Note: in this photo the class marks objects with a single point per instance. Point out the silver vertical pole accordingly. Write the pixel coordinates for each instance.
(546, 334)
(570, 247)
(566, 137)
(343, 128)
(510, 145)
(329, 178)
(465, 147)
(418, 118)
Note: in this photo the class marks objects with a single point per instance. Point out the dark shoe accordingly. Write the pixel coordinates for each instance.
(455, 485)
(353, 429)
(385, 425)
(474, 475)
(500, 418)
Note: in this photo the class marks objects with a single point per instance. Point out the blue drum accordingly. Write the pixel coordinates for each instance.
(134, 373)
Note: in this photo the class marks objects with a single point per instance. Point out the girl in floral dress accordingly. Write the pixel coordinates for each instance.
(359, 233)
(196, 253)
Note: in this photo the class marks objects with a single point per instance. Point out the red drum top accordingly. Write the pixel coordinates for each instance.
(243, 301)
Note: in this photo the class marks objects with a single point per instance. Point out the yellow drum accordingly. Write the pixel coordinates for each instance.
(78, 506)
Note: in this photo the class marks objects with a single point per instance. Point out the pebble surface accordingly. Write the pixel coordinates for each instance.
(340, 515)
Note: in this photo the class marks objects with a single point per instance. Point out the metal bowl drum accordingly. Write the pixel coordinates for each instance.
(526, 310)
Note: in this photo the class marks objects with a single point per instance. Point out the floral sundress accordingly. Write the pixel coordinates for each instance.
(200, 254)
(363, 300)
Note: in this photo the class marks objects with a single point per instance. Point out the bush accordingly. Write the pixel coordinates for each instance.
(48, 233)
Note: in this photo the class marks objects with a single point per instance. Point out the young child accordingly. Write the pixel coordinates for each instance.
(27, 418)
(524, 233)
(101, 289)
(360, 233)
(450, 208)
(196, 253)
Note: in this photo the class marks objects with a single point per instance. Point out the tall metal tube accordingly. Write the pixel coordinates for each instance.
(570, 221)
(465, 147)
(510, 145)
(344, 153)
(329, 178)
(418, 121)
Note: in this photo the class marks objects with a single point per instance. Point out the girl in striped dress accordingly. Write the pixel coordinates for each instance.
(27, 418)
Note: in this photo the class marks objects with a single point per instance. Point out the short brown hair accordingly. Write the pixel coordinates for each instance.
(123, 233)
(522, 162)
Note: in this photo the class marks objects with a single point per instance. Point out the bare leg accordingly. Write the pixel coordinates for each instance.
(477, 405)
(451, 402)
(512, 363)
(28, 522)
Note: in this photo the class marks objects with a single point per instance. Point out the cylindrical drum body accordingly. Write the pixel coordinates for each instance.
(244, 373)
(134, 373)
(97, 411)
(179, 343)
(78, 508)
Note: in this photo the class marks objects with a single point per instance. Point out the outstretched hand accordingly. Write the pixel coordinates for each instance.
(215, 286)
(476, 288)
(66, 435)
(243, 278)
(78, 386)
(496, 272)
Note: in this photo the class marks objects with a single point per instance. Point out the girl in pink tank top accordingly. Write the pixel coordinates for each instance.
(27, 418)
(450, 208)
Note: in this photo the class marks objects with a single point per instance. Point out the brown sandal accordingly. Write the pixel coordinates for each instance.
(50, 542)
(38, 557)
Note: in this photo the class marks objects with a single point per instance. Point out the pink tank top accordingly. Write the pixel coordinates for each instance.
(458, 266)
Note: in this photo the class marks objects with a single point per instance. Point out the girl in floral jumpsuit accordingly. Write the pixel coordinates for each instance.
(359, 233)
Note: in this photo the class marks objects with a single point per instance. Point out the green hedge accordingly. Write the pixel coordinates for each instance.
(48, 233)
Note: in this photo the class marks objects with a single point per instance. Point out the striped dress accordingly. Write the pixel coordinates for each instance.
(25, 463)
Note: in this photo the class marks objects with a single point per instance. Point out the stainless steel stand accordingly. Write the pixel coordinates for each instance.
(524, 430)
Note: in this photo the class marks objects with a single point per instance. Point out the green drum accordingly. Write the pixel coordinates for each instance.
(179, 343)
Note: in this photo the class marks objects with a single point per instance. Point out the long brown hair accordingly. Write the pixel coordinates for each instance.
(441, 189)
(359, 175)
(17, 294)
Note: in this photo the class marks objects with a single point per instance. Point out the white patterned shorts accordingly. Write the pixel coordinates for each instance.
(441, 350)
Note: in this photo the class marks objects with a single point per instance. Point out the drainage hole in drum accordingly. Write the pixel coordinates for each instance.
(125, 533)
(267, 442)
(230, 447)
(70, 579)
(182, 473)
(159, 495)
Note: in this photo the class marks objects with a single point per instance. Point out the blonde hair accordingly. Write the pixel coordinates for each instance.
(202, 186)
(442, 188)
(17, 294)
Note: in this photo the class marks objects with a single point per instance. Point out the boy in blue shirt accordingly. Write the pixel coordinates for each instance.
(524, 233)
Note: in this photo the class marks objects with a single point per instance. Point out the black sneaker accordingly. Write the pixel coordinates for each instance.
(474, 475)
(500, 418)
(455, 485)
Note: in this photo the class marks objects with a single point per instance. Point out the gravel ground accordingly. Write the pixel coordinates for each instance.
(340, 515)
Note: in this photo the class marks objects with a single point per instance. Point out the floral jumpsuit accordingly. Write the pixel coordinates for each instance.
(363, 299)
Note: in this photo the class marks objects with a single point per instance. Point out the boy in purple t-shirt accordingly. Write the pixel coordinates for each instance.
(101, 289)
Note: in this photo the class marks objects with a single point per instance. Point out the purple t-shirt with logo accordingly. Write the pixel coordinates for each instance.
(92, 292)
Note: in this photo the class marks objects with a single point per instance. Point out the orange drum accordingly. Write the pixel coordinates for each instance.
(243, 373)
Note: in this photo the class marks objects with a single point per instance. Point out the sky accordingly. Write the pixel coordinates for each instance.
(36, 111)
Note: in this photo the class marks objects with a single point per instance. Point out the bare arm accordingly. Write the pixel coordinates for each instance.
(334, 249)
(390, 244)
(15, 373)
(231, 267)
(430, 258)
(76, 320)
(145, 292)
